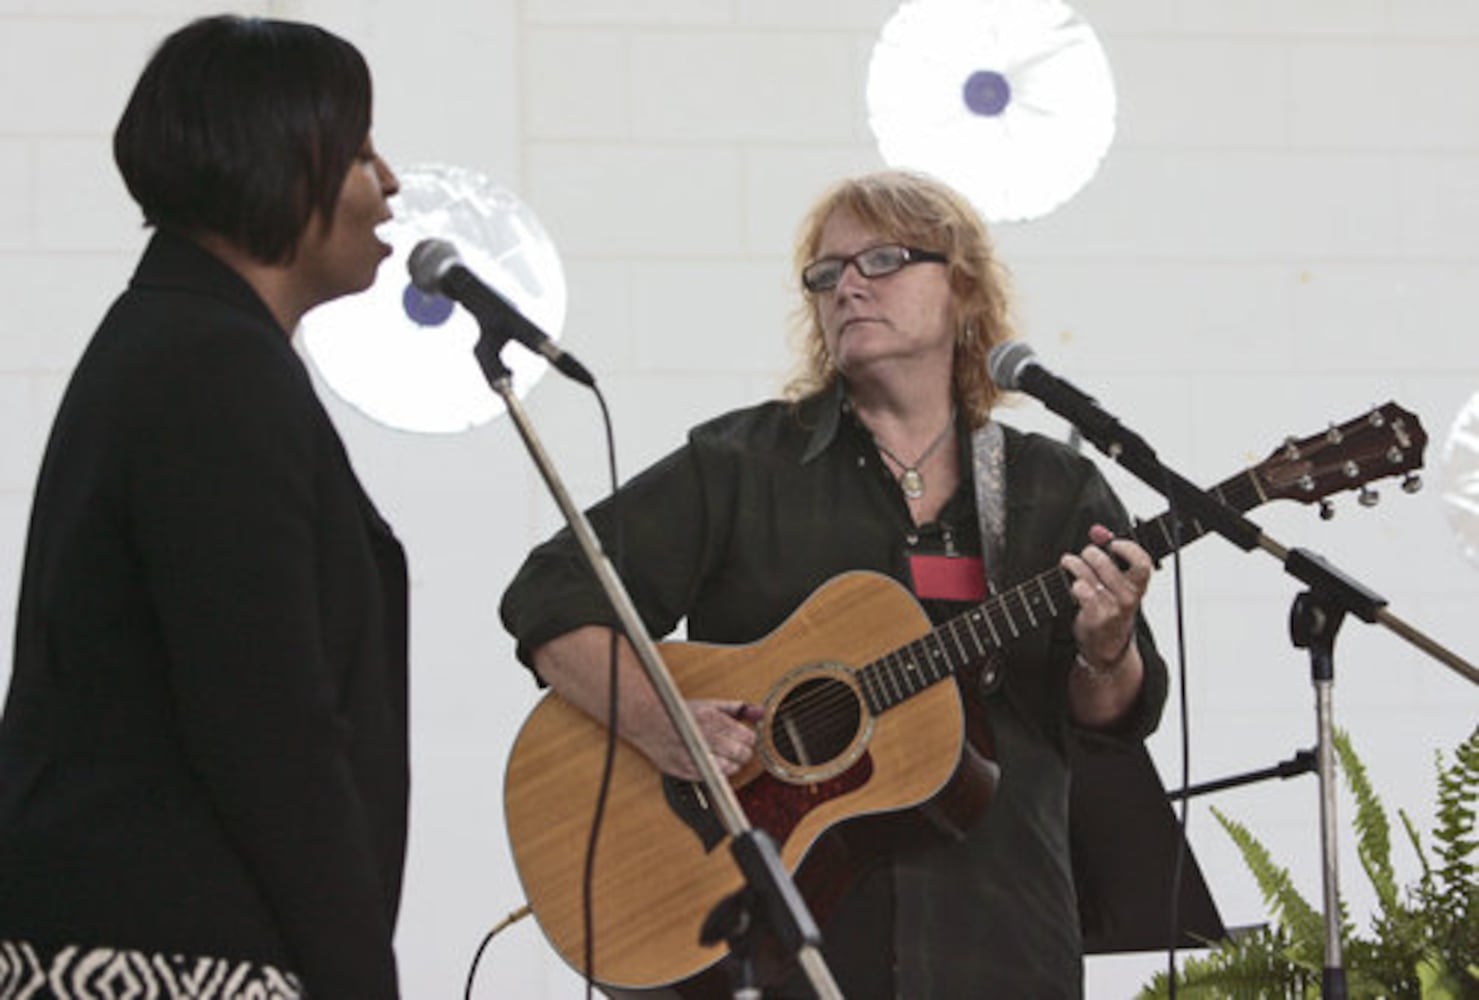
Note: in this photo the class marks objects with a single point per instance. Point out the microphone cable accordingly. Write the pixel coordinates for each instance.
(498, 928)
(603, 792)
(1075, 441)
(1184, 712)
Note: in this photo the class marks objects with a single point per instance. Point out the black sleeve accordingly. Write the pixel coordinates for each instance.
(1103, 507)
(1054, 496)
(662, 531)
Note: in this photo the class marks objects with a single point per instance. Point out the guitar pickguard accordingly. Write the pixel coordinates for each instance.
(777, 806)
(772, 805)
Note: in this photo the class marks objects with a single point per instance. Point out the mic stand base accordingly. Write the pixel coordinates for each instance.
(733, 922)
(770, 901)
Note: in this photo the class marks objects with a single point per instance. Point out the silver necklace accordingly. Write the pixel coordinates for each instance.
(910, 479)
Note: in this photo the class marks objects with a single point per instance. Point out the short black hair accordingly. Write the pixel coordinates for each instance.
(243, 128)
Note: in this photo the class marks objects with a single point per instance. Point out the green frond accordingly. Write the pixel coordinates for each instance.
(1453, 893)
(1438, 982)
(1415, 839)
(1255, 965)
(1305, 925)
(1425, 941)
(1458, 792)
(1373, 834)
(1384, 967)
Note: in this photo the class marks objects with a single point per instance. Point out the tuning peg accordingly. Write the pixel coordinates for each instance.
(1333, 435)
(1368, 497)
(1412, 482)
(1327, 510)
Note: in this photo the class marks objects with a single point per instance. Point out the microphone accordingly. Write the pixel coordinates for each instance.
(437, 269)
(1014, 365)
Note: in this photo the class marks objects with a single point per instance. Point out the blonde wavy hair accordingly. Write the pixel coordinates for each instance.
(917, 211)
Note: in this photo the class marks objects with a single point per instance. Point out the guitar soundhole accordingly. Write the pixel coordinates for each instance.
(815, 722)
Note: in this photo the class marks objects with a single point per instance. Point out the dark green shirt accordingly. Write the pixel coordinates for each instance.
(736, 528)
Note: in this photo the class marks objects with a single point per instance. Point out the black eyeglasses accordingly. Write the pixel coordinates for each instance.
(822, 275)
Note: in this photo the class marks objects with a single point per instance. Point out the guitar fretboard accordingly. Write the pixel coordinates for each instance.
(969, 637)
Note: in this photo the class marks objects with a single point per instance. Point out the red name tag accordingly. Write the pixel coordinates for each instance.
(948, 578)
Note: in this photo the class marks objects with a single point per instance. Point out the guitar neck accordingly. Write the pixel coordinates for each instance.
(969, 637)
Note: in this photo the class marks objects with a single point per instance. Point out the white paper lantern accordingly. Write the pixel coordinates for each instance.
(1011, 102)
(404, 358)
(1461, 478)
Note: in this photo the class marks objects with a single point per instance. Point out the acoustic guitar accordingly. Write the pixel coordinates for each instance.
(857, 730)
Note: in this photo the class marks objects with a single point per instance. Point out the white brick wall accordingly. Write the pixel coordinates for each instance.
(1281, 234)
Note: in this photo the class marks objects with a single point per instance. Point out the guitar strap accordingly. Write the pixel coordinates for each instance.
(988, 473)
(988, 466)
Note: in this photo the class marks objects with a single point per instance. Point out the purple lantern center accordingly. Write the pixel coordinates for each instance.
(987, 92)
(424, 309)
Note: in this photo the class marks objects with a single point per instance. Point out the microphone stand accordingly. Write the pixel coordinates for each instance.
(755, 852)
(1314, 620)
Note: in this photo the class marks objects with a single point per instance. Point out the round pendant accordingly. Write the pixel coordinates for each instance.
(912, 483)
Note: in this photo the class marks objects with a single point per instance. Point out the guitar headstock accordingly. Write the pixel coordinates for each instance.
(1387, 441)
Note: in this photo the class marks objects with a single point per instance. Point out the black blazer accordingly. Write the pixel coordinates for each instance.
(204, 747)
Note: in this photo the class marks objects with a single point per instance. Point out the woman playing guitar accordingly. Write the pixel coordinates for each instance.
(884, 457)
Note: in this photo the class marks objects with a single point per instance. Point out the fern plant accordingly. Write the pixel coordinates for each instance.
(1425, 940)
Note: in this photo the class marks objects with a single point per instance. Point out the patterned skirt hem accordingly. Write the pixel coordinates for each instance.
(74, 972)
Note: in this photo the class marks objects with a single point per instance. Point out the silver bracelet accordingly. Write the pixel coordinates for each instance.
(1103, 673)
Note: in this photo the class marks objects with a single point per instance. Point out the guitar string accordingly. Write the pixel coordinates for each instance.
(946, 636)
(1241, 492)
(899, 681)
(826, 705)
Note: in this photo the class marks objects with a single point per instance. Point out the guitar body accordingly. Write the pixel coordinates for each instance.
(662, 864)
